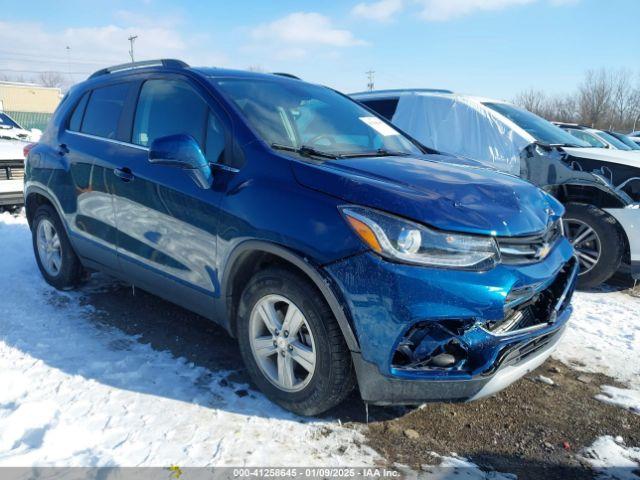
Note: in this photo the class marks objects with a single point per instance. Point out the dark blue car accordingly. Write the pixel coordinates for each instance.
(337, 250)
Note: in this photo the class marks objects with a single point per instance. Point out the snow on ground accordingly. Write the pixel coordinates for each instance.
(78, 394)
(622, 397)
(604, 336)
(455, 467)
(613, 459)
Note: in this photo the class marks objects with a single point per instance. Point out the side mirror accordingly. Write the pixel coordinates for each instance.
(182, 151)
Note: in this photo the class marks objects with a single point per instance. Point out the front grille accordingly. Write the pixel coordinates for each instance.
(11, 169)
(530, 249)
(527, 308)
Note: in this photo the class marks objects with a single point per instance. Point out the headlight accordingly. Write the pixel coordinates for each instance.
(405, 241)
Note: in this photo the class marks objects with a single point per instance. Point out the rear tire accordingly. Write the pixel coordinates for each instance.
(58, 263)
(318, 335)
(596, 238)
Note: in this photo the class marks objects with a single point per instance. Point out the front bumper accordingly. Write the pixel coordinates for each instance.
(386, 300)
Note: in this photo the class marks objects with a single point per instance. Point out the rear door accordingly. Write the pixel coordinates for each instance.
(167, 224)
(91, 144)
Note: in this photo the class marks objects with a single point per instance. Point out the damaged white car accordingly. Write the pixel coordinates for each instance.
(12, 173)
(11, 130)
(600, 188)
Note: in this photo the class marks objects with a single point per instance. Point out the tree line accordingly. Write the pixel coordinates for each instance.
(608, 100)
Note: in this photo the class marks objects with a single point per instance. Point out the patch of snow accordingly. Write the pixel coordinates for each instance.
(76, 393)
(621, 397)
(611, 458)
(604, 336)
(545, 380)
(455, 467)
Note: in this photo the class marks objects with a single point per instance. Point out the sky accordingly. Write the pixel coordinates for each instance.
(494, 48)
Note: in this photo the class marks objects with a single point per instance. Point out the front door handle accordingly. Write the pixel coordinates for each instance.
(63, 149)
(123, 174)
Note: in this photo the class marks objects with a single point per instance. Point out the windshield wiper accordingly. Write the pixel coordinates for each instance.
(381, 152)
(304, 150)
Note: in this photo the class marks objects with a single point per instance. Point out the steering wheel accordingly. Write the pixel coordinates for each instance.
(322, 136)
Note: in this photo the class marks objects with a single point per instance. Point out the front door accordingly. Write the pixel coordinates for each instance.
(167, 223)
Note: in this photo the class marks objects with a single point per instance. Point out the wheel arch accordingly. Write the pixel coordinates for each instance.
(251, 256)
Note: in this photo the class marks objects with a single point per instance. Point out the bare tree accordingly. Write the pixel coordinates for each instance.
(594, 98)
(52, 79)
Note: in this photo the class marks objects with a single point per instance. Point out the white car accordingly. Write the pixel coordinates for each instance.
(599, 187)
(635, 136)
(11, 172)
(594, 137)
(10, 129)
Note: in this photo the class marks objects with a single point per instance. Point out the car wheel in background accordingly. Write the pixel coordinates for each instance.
(596, 239)
(291, 343)
(56, 259)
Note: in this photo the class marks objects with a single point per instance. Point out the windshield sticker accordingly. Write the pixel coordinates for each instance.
(379, 126)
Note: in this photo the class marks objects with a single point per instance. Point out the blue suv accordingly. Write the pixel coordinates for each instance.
(335, 248)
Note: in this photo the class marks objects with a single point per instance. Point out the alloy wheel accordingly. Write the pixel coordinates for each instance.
(282, 343)
(585, 241)
(49, 247)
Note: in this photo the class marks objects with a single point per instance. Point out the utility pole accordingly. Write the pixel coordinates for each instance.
(68, 49)
(370, 75)
(132, 39)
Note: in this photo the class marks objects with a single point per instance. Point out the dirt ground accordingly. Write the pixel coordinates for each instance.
(531, 429)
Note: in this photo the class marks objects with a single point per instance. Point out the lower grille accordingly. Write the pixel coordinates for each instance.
(11, 169)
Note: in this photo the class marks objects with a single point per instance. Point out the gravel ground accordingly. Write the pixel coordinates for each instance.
(532, 429)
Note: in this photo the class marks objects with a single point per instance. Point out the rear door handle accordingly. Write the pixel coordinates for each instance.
(63, 149)
(123, 174)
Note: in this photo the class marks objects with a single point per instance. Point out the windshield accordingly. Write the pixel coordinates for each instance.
(613, 141)
(293, 115)
(7, 122)
(586, 137)
(627, 141)
(539, 128)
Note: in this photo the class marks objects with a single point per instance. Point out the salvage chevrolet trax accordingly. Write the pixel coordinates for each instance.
(337, 250)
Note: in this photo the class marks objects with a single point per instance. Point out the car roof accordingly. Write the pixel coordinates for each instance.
(427, 92)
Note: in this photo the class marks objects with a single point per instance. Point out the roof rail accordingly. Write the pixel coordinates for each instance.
(288, 75)
(164, 62)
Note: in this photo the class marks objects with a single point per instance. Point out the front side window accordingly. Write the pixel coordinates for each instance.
(169, 107)
(294, 114)
(103, 110)
(383, 106)
(539, 128)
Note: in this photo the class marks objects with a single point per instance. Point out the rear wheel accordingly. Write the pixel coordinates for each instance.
(58, 263)
(291, 343)
(597, 242)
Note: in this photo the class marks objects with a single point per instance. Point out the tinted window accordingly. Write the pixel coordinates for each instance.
(169, 107)
(103, 110)
(384, 106)
(76, 118)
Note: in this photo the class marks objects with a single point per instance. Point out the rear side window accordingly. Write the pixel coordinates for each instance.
(76, 118)
(169, 107)
(103, 110)
(383, 106)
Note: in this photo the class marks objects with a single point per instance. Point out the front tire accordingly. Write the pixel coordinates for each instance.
(58, 263)
(291, 343)
(596, 239)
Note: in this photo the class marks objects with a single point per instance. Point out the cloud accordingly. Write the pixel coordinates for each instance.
(442, 10)
(32, 48)
(380, 11)
(295, 35)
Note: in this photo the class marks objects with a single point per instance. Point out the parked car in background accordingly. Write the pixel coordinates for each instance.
(11, 173)
(334, 247)
(628, 141)
(635, 136)
(594, 137)
(600, 188)
(10, 129)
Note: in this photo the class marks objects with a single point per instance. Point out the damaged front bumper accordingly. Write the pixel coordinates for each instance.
(462, 349)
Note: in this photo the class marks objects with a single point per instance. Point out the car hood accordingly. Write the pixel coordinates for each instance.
(11, 149)
(435, 191)
(621, 157)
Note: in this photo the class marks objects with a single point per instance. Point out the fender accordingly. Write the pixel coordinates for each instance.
(312, 272)
(31, 189)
